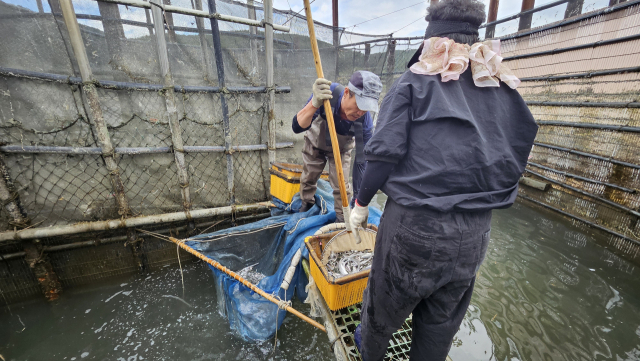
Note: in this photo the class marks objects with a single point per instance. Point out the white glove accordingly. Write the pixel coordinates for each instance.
(321, 92)
(359, 217)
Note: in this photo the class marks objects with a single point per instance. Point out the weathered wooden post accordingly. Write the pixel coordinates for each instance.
(525, 20)
(206, 57)
(493, 16)
(367, 53)
(171, 107)
(574, 7)
(268, 41)
(253, 43)
(391, 62)
(114, 37)
(169, 19)
(100, 131)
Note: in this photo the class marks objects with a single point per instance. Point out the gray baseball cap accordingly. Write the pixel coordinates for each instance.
(367, 87)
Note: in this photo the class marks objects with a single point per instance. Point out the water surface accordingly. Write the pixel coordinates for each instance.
(548, 290)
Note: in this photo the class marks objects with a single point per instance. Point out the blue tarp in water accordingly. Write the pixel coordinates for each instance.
(268, 245)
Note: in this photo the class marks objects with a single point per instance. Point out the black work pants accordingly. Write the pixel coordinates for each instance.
(424, 263)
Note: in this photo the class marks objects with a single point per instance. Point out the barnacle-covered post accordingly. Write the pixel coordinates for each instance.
(100, 131)
(171, 107)
(93, 105)
(41, 267)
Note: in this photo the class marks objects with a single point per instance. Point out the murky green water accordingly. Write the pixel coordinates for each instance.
(547, 291)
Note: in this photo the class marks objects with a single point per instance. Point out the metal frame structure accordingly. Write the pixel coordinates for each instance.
(118, 85)
(575, 176)
(160, 14)
(594, 225)
(621, 128)
(199, 13)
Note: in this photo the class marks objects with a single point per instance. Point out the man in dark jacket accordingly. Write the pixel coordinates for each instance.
(352, 106)
(446, 152)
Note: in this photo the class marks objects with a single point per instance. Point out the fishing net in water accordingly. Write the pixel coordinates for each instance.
(262, 252)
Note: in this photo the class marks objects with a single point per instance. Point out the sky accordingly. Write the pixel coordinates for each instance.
(400, 17)
(407, 16)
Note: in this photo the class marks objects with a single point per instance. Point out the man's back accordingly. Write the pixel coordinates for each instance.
(459, 147)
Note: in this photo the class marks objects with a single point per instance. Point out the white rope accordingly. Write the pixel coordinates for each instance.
(237, 233)
(180, 263)
(281, 305)
(296, 226)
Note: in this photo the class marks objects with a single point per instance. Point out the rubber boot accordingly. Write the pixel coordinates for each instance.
(306, 206)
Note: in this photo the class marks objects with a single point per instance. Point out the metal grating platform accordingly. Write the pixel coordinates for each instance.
(347, 319)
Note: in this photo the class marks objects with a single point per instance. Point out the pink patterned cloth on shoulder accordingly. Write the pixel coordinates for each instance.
(450, 59)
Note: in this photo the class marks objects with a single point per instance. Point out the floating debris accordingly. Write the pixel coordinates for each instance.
(345, 263)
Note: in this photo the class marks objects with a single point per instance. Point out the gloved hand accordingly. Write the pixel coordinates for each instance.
(321, 92)
(359, 216)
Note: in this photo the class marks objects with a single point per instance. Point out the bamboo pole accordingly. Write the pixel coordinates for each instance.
(332, 127)
(327, 108)
(249, 285)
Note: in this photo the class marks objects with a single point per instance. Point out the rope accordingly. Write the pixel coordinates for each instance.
(282, 305)
(237, 233)
(180, 264)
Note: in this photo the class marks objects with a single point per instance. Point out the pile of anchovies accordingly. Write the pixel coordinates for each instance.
(345, 263)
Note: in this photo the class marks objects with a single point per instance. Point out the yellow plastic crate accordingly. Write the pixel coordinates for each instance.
(340, 292)
(285, 180)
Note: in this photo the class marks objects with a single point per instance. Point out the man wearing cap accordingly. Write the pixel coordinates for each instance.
(351, 106)
(452, 140)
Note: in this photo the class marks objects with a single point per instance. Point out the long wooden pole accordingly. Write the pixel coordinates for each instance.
(327, 109)
(251, 286)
